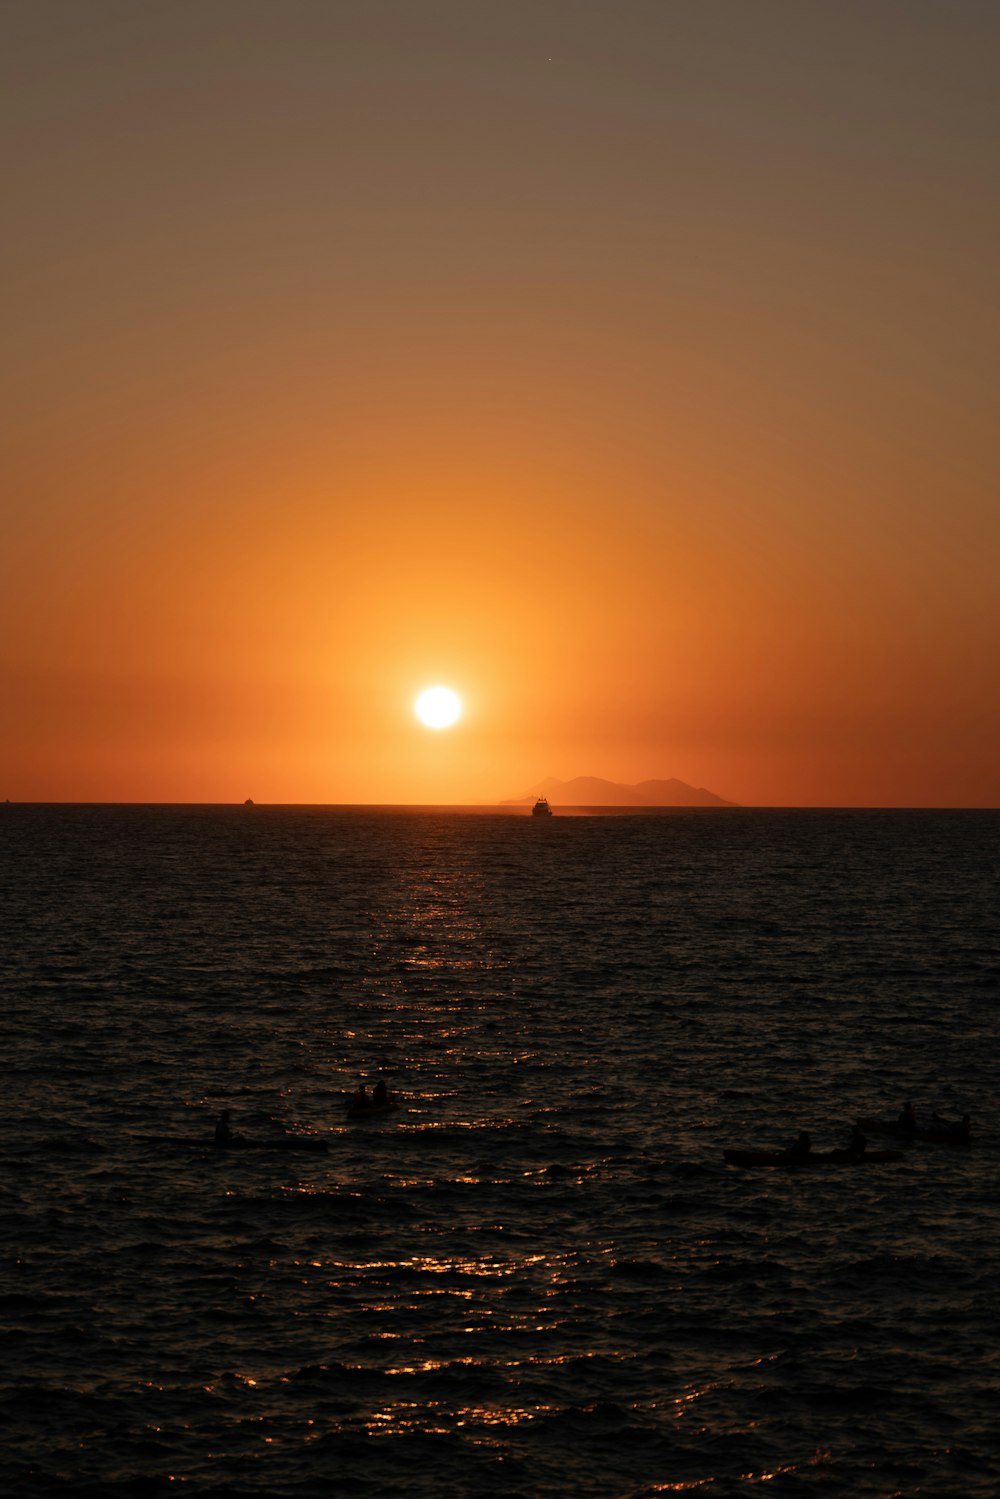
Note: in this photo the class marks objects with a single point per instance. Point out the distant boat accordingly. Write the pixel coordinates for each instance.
(541, 808)
(248, 802)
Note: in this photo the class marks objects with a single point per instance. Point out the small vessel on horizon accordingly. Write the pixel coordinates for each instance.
(541, 808)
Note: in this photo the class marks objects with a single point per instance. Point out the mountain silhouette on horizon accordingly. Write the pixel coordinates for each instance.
(592, 791)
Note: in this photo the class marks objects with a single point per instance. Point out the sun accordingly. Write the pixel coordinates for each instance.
(438, 707)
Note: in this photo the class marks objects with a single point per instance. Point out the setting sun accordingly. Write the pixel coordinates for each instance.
(438, 707)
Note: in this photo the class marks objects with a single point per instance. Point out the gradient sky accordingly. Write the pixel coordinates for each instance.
(629, 367)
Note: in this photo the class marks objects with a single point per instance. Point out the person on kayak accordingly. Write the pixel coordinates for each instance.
(800, 1148)
(360, 1098)
(380, 1095)
(907, 1120)
(223, 1132)
(858, 1143)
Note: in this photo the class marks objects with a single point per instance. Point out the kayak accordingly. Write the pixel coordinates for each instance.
(937, 1134)
(280, 1142)
(782, 1160)
(370, 1110)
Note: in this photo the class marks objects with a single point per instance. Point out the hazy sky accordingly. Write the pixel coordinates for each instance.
(629, 367)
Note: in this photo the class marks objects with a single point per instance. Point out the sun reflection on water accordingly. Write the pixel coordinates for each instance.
(438, 1418)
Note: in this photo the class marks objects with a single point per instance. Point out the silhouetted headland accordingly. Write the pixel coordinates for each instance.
(592, 791)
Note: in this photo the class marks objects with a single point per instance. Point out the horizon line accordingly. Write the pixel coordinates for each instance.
(513, 807)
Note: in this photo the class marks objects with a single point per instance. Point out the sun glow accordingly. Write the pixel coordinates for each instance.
(438, 707)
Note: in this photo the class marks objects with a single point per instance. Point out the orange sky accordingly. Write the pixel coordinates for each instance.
(629, 368)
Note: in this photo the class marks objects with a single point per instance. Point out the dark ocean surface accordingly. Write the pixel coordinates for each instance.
(537, 1276)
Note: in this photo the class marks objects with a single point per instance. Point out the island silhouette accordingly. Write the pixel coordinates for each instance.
(592, 791)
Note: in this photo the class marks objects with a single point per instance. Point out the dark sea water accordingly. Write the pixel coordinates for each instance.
(537, 1277)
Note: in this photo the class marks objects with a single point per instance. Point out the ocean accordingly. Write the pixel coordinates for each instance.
(536, 1276)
